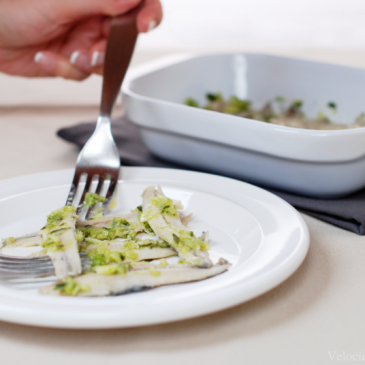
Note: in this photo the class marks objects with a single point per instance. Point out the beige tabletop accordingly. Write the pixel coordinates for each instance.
(317, 316)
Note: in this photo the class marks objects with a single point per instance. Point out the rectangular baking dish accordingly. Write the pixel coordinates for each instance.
(309, 162)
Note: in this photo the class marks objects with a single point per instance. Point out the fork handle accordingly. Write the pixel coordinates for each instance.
(121, 41)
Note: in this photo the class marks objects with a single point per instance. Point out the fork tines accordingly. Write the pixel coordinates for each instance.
(13, 267)
(100, 183)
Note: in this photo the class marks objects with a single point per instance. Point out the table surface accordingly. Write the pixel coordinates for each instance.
(317, 316)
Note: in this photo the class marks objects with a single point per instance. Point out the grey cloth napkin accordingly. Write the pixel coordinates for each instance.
(347, 212)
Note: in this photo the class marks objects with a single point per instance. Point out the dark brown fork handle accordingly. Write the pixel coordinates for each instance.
(121, 42)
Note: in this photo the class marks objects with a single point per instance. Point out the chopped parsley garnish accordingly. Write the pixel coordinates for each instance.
(191, 102)
(71, 287)
(279, 111)
(214, 97)
(91, 199)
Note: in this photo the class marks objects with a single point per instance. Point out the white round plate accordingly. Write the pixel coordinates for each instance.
(263, 237)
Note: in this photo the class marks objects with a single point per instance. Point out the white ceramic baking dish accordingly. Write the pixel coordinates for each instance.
(309, 162)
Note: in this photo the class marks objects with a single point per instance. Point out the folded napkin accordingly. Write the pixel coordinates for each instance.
(347, 212)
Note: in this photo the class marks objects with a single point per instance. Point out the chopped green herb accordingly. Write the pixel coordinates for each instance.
(164, 263)
(98, 213)
(58, 223)
(118, 228)
(58, 216)
(112, 269)
(153, 243)
(163, 204)
(71, 287)
(191, 102)
(79, 236)
(154, 272)
(280, 99)
(279, 111)
(91, 199)
(214, 97)
(187, 242)
(148, 228)
(236, 106)
(297, 104)
(322, 117)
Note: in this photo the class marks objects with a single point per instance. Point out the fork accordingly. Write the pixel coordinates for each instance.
(12, 267)
(98, 163)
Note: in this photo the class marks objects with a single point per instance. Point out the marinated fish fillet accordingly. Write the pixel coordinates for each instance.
(35, 239)
(139, 278)
(169, 228)
(153, 216)
(29, 240)
(152, 253)
(185, 219)
(135, 253)
(103, 222)
(191, 255)
(146, 253)
(143, 253)
(59, 241)
(111, 228)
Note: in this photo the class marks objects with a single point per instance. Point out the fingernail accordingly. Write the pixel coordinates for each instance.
(80, 59)
(74, 56)
(37, 57)
(97, 59)
(45, 60)
(152, 24)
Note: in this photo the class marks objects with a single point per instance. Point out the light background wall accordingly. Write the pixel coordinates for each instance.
(328, 30)
(259, 23)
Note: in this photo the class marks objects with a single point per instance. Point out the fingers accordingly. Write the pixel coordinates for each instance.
(77, 9)
(97, 56)
(149, 16)
(90, 60)
(83, 52)
(57, 65)
(81, 59)
(83, 35)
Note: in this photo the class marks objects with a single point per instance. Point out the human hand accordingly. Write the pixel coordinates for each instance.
(64, 38)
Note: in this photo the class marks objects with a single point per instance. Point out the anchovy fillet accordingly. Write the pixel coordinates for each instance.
(29, 240)
(166, 227)
(185, 219)
(66, 261)
(144, 253)
(132, 217)
(139, 278)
